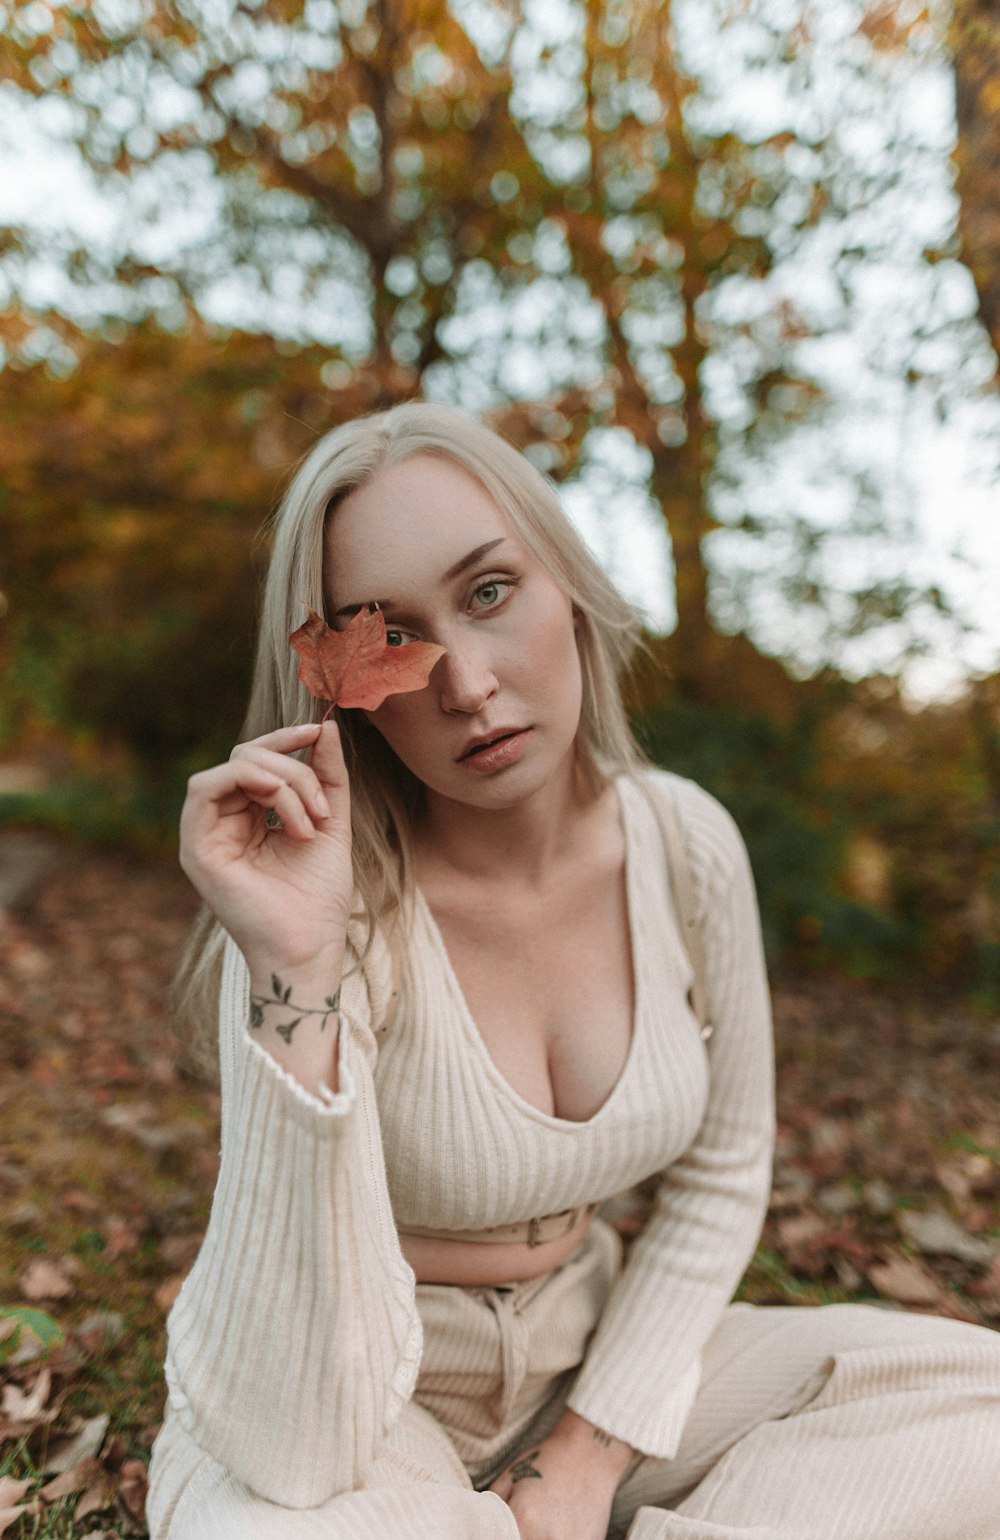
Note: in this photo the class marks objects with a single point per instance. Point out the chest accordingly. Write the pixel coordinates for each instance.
(549, 986)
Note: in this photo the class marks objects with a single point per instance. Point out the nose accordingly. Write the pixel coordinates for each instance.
(466, 680)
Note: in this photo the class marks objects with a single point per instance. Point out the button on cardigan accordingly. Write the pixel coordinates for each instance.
(296, 1338)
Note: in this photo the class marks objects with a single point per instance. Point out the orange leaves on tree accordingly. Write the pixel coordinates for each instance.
(356, 666)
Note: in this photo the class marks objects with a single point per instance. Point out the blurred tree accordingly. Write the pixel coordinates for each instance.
(544, 212)
(975, 38)
(130, 496)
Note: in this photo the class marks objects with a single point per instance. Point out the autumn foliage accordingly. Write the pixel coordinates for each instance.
(537, 227)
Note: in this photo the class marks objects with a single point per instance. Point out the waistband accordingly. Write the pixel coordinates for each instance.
(534, 1231)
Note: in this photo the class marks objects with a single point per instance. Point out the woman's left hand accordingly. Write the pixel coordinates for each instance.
(562, 1488)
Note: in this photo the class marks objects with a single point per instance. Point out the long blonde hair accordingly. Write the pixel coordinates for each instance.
(385, 796)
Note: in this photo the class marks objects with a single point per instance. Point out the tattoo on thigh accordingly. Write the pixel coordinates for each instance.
(282, 998)
(523, 1467)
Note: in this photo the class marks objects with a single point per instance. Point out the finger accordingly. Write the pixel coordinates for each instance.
(208, 790)
(301, 776)
(327, 759)
(284, 739)
(256, 785)
(293, 813)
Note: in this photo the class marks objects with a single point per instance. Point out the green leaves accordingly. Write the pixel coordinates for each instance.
(16, 1319)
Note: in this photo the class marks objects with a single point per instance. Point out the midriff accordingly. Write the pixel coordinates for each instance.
(478, 1263)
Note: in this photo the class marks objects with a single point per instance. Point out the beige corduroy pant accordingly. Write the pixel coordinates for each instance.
(842, 1422)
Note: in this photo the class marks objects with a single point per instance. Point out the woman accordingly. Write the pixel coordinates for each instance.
(455, 1017)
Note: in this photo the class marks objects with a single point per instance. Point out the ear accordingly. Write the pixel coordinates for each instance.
(577, 617)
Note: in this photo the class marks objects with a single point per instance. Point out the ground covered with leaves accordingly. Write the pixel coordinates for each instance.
(887, 1179)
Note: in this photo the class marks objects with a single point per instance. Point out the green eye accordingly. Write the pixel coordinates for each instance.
(494, 592)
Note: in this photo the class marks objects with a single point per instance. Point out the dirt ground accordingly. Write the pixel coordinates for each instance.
(887, 1177)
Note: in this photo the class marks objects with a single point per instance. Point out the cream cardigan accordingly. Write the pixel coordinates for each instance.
(296, 1338)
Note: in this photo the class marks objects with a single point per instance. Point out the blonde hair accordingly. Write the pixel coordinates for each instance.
(385, 795)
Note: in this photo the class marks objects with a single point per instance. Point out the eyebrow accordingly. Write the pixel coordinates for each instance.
(453, 572)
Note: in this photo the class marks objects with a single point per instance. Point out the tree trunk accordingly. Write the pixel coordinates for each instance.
(975, 38)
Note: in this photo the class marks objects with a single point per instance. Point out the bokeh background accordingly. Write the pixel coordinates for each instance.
(729, 272)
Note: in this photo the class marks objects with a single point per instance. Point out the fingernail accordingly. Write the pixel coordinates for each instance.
(323, 805)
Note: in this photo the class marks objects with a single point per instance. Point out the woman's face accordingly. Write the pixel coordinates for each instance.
(428, 543)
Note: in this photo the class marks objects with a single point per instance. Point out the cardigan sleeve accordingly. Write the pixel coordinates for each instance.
(641, 1372)
(295, 1339)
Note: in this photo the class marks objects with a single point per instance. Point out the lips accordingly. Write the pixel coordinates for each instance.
(476, 745)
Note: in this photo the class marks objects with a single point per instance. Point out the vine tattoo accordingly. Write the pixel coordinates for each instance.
(282, 998)
(523, 1467)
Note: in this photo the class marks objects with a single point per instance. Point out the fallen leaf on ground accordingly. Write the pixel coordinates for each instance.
(356, 666)
(11, 1506)
(95, 1499)
(134, 1484)
(838, 1198)
(43, 1279)
(938, 1235)
(76, 1479)
(99, 1330)
(83, 1441)
(988, 1286)
(26, 1404)
(168, 1291)
(126, 1117)
(906, 1281)
(800, 1229)
(12, 1490)
(180, 1250)
(121, 1237)
(9, 1516)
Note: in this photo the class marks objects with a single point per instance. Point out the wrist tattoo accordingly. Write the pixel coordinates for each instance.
(523, 1467)
(282, 998)
(603, 1438)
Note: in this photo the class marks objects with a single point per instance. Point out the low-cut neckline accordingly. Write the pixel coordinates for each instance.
(478, 1041)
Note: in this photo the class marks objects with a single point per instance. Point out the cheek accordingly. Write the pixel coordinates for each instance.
(399, 718)
(557, 653)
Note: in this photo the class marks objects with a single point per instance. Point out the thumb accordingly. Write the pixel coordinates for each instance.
(327, 760)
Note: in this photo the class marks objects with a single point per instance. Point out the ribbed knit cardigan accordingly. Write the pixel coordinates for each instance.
(296, 1338)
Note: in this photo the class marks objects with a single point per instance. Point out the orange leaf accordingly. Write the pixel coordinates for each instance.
(356, 667)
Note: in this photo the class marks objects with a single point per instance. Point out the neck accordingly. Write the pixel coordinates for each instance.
(521, 845)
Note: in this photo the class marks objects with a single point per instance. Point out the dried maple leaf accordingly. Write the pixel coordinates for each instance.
(356, 667)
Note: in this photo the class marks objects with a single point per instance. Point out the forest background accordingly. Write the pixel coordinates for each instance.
(684, 255)
(642, 239)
